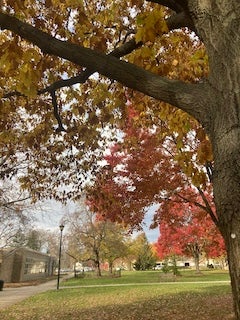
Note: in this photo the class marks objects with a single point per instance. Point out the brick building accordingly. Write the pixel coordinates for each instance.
(23, 264)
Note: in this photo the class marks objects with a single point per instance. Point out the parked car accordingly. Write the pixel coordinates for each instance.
(158, 266)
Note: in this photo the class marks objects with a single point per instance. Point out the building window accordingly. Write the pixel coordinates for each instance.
(35, 266)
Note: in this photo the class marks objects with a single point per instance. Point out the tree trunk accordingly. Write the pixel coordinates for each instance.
(226, 182)
(196, 260)
(218, 24)
(233, 251)
(98, 265)
(110, 267)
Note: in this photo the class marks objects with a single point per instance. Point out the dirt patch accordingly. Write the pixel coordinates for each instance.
(27, 283)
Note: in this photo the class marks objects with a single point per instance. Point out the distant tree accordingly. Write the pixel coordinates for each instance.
(51, 239)
(188, 231)
(29, 237)
(15, 203)
(93, 239)
(13, 223)
(34, 240)
(89, 234)
(144, 255)
(18, 239)
(114, 245)
(16, 208)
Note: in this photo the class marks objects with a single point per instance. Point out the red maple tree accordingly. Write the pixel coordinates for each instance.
(187, 230)
(148, 167)
(139, 173)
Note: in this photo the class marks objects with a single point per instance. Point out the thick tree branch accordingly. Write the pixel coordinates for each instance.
(180, 20)
(118, 52)
(206, 208)
(182, 17)
(209, 209)
(182, 95)
(171, 4)
(175, 21)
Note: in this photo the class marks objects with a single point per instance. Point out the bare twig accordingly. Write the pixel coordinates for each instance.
(56, 112)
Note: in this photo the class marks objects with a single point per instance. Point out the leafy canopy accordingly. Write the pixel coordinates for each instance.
(61, 117)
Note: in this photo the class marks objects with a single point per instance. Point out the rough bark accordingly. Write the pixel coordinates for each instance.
(214, 103)
(219, 25)
(226, 181)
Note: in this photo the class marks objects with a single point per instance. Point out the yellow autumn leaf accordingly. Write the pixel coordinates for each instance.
(74, 3)
(175, 62)
(139, 35)
(151, 25)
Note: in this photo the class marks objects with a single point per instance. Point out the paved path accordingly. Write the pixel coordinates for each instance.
(147, 284)
(11, 296)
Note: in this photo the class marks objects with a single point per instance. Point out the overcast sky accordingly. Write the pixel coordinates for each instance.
(50, 214)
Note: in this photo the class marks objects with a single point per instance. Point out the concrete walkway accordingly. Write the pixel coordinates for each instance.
(10, 296)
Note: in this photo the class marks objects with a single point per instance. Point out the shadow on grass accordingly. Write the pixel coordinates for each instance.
(190, 305)
(213, 302)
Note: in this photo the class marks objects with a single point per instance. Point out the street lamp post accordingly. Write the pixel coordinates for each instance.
(60, 251)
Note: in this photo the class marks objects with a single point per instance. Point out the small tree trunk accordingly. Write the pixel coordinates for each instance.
(99, 273)
(110, 267)
(175, 268)
(196, 260)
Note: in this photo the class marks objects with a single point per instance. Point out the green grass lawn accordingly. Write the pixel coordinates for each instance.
(166, 301)
(148, 277)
